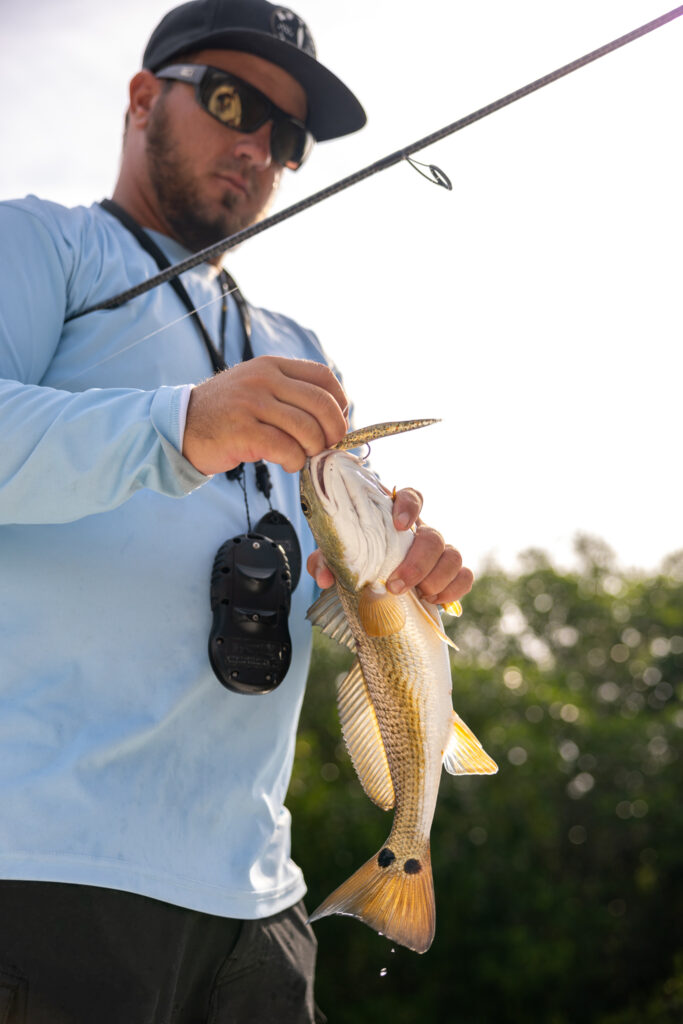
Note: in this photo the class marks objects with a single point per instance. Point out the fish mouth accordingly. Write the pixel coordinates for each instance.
(320, 474)
(316, 475)
(319, 466)
(319, 477)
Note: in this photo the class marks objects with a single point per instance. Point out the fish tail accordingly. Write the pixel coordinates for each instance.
(394, 895)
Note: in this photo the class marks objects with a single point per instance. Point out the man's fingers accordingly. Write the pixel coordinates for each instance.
(423, 556)
(319, 570)
(319, 375)
(442, 578)
(407, 507)
(298, 424)
(303, 397)
(271, 444)
(456, 589)
(433, 567)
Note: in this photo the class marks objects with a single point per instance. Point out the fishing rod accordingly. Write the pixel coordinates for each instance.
(435, 174)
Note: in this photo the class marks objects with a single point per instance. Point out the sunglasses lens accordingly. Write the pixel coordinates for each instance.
(290, 144)
(233, 103)
(224, 103)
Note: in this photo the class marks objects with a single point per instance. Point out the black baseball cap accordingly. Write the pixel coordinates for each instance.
(266, 30)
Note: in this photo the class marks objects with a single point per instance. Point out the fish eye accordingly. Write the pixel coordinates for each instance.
(305, 509)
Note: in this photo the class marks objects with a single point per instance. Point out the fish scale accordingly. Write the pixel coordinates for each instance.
(405, 694)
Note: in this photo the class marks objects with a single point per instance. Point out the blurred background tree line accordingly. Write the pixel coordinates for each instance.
(559, 881)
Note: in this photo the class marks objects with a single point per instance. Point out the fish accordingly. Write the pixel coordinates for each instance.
(395, 704)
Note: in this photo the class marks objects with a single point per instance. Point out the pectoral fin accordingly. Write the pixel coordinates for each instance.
(464, 754)
(380, 613)
(363, 738)
(328, 614)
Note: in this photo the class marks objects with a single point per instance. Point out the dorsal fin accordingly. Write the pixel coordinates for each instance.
(464, 754)
(363, 739)
(328, 614)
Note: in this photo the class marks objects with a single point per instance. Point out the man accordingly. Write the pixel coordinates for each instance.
(144, 844)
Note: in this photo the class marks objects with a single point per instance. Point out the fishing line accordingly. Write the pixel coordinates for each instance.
(140, 341)
(437, 176)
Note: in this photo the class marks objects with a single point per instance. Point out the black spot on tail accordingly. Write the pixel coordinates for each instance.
(412, 867)
(386, 857)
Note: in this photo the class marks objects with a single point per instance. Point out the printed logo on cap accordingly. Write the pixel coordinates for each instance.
(289, 27)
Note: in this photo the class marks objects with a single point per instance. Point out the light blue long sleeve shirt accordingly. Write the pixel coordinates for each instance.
(123, 761)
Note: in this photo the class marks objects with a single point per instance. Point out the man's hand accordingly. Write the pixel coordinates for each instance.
(432, 566)
(279, 410)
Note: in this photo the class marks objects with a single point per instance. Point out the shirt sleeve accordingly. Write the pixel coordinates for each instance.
(66, 455)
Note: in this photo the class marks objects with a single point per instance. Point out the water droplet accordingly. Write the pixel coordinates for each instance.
(383, 972)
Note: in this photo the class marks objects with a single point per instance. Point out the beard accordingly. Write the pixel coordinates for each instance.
(195, 222)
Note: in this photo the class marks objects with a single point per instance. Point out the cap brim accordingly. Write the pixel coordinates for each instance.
(333, 110)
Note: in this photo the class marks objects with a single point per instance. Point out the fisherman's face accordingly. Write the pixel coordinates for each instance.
(210, 180)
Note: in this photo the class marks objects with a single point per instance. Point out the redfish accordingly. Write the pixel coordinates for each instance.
(395, 703)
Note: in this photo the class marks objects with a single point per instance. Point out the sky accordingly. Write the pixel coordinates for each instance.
(535, 309)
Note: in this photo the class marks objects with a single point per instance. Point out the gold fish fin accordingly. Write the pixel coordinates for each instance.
(430, 614)
(464, 754)
(392, 894)
(453, 608)
(380, 613)
(363, 739)
(328, 614)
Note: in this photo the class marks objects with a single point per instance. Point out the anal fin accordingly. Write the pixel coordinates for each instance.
(464, 754)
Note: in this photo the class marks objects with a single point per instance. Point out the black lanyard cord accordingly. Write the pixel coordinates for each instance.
(229, 287)
(227, 282)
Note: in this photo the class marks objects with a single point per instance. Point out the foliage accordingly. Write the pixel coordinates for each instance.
(559, 882)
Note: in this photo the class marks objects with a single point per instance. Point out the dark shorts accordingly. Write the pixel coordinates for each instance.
(75, 954)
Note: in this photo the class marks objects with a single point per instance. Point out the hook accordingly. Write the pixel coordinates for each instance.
(436, 175)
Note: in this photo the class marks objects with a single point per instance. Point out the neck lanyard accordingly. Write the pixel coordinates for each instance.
(218, 362)
(227, 282)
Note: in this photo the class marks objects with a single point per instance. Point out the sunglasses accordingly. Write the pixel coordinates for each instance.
(240, 106)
